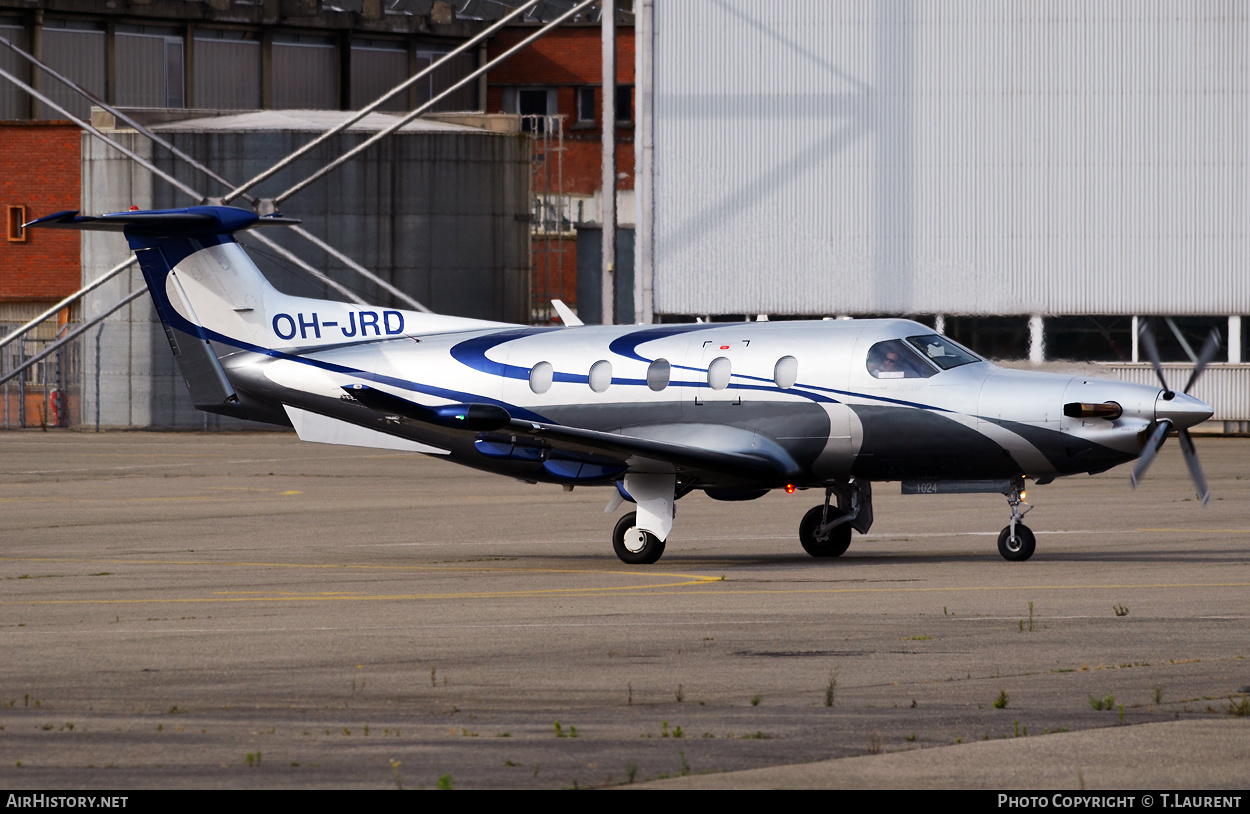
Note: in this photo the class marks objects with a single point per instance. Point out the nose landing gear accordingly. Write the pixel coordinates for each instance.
(1016, 541)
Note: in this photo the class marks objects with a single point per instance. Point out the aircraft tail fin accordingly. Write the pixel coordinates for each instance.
(202, 284)
(208, 292)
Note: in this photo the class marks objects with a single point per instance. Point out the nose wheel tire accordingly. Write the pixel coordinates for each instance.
(633, 545)
(839, 539)
(1016, 548)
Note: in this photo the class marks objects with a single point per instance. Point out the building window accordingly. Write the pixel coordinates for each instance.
(991, 337)
(1180, 339)
(17, 216)
(451, 72)
(588, 111)
(150, 67)
(1094, 338)
(624, 104)
(586, 105)
(531, 104)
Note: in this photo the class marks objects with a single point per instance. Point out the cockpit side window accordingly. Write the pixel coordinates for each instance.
(943, 352)
(893, 359)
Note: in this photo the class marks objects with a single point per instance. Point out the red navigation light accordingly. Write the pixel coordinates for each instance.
(789, 488)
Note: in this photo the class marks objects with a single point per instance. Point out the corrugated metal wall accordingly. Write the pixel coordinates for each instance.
(440, 214)
(227, 74)
(305, 76)
(968, 156)
(141, 71)
(376, 70)
(77, 55)
(1225, 387)
(12, 100)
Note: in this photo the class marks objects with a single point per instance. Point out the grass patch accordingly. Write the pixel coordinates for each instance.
(1103, 704)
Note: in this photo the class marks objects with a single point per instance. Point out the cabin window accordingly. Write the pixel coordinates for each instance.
(17, 216)
(786, 372)
(718, 373)
(658, 374)
(541, 375)
(600, 375)
(943, 352)
(894, 359)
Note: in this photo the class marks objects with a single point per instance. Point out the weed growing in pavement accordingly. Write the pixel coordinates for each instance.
(1102, 704)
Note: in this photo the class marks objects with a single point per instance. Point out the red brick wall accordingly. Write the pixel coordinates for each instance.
(561, 265)
(566, 59)
(565, 56)
(40, 168)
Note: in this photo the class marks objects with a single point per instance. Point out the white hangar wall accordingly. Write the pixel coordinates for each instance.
(958, 157)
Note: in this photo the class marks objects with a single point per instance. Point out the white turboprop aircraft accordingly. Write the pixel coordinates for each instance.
(653, 412)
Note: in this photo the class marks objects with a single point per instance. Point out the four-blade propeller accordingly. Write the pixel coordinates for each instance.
(1166, 425)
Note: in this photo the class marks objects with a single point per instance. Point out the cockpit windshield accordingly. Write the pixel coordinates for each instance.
(893, 359)
(943, 352)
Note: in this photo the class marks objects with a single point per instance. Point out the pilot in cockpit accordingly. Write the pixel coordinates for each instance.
(892, 360)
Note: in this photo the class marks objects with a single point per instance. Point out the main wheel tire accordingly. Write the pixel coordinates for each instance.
(1018, 548)
(839, 536)
(634, 545)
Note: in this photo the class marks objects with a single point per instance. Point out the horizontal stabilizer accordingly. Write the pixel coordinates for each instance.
(321, 429)
(196, 220)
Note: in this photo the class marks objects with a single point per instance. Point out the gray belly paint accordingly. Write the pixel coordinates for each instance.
(905, 443)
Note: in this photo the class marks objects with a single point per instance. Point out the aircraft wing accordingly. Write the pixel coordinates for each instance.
(628, 447)
(495, 425)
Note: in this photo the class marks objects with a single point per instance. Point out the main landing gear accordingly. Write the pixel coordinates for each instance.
(825, 530)
(638, 538)
(1016, 541)
(634, 545)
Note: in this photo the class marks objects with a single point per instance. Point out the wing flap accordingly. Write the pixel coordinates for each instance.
(640, 454)
(320, 429)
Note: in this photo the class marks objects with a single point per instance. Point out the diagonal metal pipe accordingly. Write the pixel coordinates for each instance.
(72, 335)
(359, 269)
(197, 196)
(351, 264)
(367, 109)
(71, 299)
(360, 148)
(286, 254)
(118, 113)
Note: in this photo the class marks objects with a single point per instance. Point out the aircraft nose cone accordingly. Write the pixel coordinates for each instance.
(1182, 410)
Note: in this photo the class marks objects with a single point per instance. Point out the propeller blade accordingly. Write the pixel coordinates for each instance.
(1149, 451)
(1209, 349)
(1147, 338)
(1195, 468)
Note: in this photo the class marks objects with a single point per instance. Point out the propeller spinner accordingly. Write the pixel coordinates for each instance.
(1178, 411)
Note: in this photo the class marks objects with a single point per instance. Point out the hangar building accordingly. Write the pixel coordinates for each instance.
(1034, 178)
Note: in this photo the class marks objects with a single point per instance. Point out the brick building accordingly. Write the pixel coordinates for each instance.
(240, 54)
(39, 174)
(561, 74)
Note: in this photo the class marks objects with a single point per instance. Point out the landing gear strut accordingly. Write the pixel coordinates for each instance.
(1016, 541)
(638, 538)
(825, 530)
